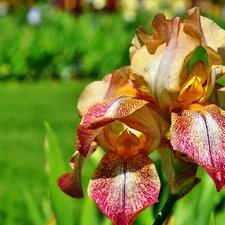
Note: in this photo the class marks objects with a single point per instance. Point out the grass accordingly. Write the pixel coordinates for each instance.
(24, 109)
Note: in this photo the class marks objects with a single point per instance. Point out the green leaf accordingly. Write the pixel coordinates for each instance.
(145, 217)
(33, 211)
(211, 219)
(61, 204)
(89, 213)
(106, 221)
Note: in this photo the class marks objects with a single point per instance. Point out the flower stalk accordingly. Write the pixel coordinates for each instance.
(166, 210)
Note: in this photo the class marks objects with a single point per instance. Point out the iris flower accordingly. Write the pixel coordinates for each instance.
(128, 127)
(161, 96)
(162, 60)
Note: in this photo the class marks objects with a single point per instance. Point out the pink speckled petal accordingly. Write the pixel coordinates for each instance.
(122, 188)
(101, 114)
(200, 133)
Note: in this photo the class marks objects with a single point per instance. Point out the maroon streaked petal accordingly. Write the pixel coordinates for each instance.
(70, 183)
(101, 114)
(121, 108)
(122, 188)
(199, 132)
(84, 138)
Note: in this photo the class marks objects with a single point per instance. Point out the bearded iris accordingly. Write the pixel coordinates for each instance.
(197, 126)
(132, 111)
(128, 127)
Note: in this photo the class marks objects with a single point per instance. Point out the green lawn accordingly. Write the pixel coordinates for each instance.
(24, 109)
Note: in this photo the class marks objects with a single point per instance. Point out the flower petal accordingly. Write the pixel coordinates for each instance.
(122, 188)
(95, 91)
(166, 69)
(199, 132)
(214, 35)
(100, 90)
(209, 33)
(101, 114)
(70, 183)
(162, 60)
(149, 122)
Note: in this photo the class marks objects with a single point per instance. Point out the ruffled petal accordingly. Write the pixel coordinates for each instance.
(162, 58)
(166, 69)
(209, 33)
(215, 39)
(162, 29)
(101, 114)
(122, 188)
(199, 132)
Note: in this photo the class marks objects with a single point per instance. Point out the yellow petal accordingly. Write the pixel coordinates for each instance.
(150, 123)
(166, 70)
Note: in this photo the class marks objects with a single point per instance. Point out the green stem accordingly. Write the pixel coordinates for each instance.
(166, 210)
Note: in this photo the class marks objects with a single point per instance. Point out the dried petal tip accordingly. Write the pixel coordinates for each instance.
(70, 185)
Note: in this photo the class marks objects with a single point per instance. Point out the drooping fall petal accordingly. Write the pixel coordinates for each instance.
(70, 183)
(122, 188)
(199, 132)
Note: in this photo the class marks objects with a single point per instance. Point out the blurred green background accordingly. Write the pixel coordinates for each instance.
(49, 51)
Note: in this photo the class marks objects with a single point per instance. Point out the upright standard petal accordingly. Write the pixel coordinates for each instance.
(166, 69)
(122, 188)
(162, 58)
(109, 86)
(199, 132)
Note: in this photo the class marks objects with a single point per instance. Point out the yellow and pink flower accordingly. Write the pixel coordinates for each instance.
(162, 60)
(161, 95)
